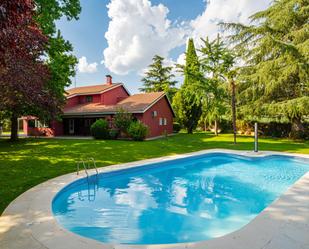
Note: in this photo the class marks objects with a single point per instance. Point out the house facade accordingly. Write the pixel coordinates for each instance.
(87, 104)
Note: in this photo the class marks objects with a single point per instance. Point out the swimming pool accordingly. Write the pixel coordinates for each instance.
(183, 200)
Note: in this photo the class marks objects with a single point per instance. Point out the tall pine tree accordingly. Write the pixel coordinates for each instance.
(275, 49)
(188, 100)
(159, 78)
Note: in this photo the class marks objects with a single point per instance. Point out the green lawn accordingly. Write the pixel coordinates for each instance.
(31, 161)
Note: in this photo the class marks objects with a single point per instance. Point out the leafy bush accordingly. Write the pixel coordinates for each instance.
(122, 120)
(99, 129)
(274, 129)
(113, 133)
(176, 127)
(138, 131)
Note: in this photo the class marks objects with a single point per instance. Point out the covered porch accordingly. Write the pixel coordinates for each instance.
(80, 126)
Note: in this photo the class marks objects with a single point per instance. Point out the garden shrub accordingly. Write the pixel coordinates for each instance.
(138, 131)
(122, 120)
(99, 129)
(274, 129)
(225, 126)
(176, 127)
(113, 133)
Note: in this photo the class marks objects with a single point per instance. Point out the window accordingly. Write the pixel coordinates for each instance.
(154, 114)
(88, 99)
(71, 126)
(163, 121)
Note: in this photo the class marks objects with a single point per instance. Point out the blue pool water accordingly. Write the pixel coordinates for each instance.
(184, 200)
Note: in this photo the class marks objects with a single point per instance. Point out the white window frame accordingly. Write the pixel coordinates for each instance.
(161, 121)
(154, 114)
(165, 121)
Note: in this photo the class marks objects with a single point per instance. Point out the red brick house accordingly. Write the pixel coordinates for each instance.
(87, 104)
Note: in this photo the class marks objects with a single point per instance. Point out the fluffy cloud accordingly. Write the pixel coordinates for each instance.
(181, 59)
(217, 11)
(137, 31)
(84, 67)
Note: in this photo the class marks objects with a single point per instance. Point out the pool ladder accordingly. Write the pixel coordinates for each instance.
(86, 166)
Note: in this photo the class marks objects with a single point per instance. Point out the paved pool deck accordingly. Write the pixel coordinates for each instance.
(28, 222)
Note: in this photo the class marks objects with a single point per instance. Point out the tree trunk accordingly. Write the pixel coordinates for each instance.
(233, 103)
(298, 129)
(216, 127)
(14, 127)
(205, 124)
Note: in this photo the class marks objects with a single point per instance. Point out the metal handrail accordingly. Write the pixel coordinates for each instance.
(86, 168)
(77, 167)
(94, 164)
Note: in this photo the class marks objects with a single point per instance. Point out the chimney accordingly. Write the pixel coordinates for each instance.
(109, 80)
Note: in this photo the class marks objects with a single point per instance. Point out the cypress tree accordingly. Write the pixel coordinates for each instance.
(188, 100)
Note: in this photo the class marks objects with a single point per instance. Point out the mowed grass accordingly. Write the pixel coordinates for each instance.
(31, 161)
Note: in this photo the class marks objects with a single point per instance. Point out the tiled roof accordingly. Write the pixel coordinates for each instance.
(90, 89)
(137, 103)
(140, 102)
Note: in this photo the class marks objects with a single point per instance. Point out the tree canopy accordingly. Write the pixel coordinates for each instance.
(36, 63)
(216, 62)
(23, 73)
(275, 54)
(159, 78)
(59, 57)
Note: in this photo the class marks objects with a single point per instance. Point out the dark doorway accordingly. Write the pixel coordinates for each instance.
(77, 126)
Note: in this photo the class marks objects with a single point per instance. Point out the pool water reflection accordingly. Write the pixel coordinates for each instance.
(183, 200)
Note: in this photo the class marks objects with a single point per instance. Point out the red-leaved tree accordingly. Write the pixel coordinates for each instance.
(23, 74)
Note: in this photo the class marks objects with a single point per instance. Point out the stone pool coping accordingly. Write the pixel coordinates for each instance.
(28, 222)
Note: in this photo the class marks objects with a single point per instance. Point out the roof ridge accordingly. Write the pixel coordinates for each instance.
(94, 86)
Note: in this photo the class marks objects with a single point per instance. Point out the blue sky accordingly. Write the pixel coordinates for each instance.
(119, 37)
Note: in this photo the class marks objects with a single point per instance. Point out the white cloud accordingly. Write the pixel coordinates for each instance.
(181, 59)
(137, 31)
(84, 67)
(217, 11)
